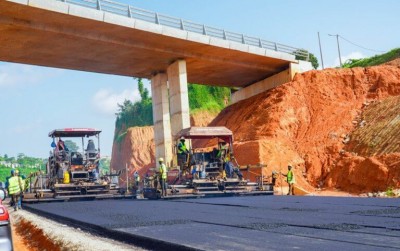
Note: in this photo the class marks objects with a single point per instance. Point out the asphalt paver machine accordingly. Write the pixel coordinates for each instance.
(73, 174)
(208, 170)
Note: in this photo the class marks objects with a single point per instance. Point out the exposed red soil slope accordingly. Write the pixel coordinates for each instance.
(136, 151)
(304, 122)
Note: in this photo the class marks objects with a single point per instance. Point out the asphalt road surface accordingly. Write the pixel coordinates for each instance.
(239, 223)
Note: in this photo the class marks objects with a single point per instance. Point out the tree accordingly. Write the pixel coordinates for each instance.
(301, 54)
(71, 146)
(144, 93)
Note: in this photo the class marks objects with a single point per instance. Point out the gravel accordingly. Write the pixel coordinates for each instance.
(71, 238)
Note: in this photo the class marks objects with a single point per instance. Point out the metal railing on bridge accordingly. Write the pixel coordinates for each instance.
(156, 18)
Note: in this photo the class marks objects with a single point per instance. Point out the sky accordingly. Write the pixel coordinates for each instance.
(35, 100)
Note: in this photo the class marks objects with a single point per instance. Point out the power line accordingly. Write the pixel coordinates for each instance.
(359, 45)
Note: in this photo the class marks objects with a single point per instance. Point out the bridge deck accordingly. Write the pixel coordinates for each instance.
(61, 35)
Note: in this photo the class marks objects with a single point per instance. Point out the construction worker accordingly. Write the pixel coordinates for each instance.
(136, 177)
(231, 169)
(290, 180)
(15, 189)
(182, 152)
(222, 152)
(274, 176)
(163, 177)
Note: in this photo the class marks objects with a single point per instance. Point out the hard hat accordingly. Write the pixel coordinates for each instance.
(289, 166)
(161, 160)
(182, 138)
(16, 171)
(12, 171)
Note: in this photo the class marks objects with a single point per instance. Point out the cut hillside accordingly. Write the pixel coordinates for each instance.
(373, 150)
(312, 123)
(136, 148)
(305, 122)
(378, 129)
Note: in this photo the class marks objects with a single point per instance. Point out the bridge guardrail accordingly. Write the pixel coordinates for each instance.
(156, 18)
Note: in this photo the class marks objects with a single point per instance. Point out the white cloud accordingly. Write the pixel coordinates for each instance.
(353, 55)
(17, 74)
(106, 101)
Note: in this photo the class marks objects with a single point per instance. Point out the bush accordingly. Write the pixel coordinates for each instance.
(375, 60)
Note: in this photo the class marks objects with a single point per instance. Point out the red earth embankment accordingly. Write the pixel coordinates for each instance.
(304, 123)
(135, 150)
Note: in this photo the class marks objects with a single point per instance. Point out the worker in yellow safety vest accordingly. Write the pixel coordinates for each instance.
(136, 176)
(222, 152)
(15, 189)
(182, 152)
(290, 180)
(163, 177)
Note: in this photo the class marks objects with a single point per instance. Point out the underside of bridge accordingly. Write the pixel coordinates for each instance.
(61, 35)
(73, 37)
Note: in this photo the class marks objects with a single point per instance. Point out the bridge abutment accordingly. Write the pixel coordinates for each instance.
(271, 82)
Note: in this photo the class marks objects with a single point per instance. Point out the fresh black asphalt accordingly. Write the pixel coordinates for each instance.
(239, 223)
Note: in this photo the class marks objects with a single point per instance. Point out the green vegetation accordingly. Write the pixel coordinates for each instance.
(6, 172)
(140, 113)
(375, 60)
(104, 165)
(24, 164)
(389, 192)
(209, 98)
(20, 161)
(311, 57)
(71, 146)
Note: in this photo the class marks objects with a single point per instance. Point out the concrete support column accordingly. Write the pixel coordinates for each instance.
(161, 118)
(178, 95)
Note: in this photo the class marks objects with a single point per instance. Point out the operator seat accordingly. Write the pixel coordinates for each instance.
(91, 150)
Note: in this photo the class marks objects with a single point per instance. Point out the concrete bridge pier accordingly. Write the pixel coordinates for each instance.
(170, 108)
(178, 96)
(161, 117)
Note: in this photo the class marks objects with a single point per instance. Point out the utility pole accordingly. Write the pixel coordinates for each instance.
(338, 47)
(320, 51)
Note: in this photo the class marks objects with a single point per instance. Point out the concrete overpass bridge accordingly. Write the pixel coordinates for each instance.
(109, 37)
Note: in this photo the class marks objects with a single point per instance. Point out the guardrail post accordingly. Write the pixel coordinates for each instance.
(129, 11)
(98, 5)
(157, 20)
(204, 30)
(243, 41)
(276, 47)
(224, 34)
(260, 43)
(182, 26)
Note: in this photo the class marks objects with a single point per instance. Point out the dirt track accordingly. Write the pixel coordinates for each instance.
(241, 223)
